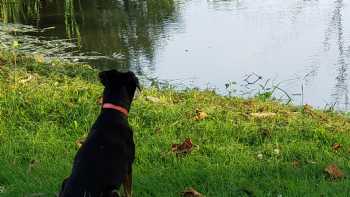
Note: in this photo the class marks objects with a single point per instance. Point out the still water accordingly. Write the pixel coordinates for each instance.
(300, 49)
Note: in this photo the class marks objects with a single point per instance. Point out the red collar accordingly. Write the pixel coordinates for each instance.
(116, 107)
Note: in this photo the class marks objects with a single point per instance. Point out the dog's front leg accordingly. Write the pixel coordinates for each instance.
(62, 187)
(127, 183)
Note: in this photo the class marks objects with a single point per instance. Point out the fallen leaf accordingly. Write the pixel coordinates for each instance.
(79, 142)
(200, 115)
(190, 192)
(184, 148)
(32, 164)
(333, 171)
(263, 114)
(157, 130)
(2, 62)
(336, 146)
(307, 109)
(296, 163)
(99, 100)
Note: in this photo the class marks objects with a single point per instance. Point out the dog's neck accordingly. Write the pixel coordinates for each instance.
(116, 107)
(119, 97)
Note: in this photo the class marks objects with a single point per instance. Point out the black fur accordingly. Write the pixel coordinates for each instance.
(106, 156)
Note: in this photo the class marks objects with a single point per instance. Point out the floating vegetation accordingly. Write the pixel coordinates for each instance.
(64, 49)
(120, 33)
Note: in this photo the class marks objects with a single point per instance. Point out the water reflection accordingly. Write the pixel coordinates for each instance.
(19, 11)
(301, 46)
(336, 29)
(294, 21)
(226, 4)
(125, 33)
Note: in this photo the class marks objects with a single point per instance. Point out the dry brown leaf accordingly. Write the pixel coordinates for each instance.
(263, 114)
(190, 192)
(336, 146)
(79, 142)
(307, 108)
(99, 100)
(32, 165)
(334, 172)
(185, 147)
(200, 115)
(157, 130)
(2, 62)
(296, 163)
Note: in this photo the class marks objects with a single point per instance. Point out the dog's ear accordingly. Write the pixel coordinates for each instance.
(132, 79)
(108, 77)
(103, 77)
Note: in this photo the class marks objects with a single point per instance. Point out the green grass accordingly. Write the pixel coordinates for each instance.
(44, 109)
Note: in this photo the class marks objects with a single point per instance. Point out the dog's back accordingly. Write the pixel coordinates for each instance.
(106, 157)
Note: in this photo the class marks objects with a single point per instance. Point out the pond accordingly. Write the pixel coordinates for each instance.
(297, 49)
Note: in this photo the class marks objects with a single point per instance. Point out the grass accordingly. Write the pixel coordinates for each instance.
(45, 108)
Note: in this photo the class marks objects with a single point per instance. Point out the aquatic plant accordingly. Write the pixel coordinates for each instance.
(19, 10)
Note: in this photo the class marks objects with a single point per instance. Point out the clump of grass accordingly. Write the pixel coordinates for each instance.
(48, 107)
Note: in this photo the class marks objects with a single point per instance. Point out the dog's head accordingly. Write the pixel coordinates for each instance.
(119, 86)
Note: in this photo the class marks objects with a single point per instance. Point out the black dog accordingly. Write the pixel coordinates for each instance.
(104, 161)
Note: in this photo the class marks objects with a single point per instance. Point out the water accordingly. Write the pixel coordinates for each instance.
(299, 49)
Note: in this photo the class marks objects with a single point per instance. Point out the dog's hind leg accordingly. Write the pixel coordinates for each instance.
(127, 183)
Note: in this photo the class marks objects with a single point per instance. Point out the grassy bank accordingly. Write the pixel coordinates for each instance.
(242, 150)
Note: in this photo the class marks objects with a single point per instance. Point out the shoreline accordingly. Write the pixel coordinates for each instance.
(256, 145)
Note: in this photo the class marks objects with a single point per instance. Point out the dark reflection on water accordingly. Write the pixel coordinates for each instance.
(301, 46)
(341, 93)
(121, 34)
